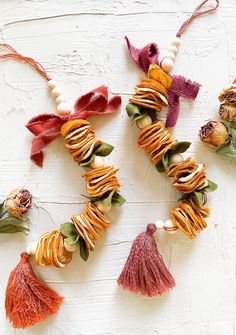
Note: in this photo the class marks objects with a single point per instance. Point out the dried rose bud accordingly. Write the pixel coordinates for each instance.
(18, 202)
(214, 134)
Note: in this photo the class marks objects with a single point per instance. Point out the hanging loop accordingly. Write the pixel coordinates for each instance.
(197, 12)
(12, 53)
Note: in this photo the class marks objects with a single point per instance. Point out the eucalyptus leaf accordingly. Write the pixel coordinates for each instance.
(68, 229)
(117, 200)
(87, 161)
(73, 239)
(132, 110)
(11, 224)
(160, 167)
(228, 151)
(198, 197)
(210, 187)
(84, 252)
(108, 200)
(179, 147)
(104, 149)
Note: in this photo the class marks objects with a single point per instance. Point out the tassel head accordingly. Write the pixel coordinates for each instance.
(28, 300)
(144, 271)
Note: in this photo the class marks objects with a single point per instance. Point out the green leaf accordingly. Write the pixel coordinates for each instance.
(73, 239)
(104, 150)
(11, 224)
(84, 252)
(68, 229)
(117, 200)
(108, 200)
(228, 151)
(160, 167)
(179, 147)
(132, 110)
(88, 161)
(198, 197)
(210, 187)
(231, 127)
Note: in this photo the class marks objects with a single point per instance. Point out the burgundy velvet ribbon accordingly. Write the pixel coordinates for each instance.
(46, 127)
(180, 88)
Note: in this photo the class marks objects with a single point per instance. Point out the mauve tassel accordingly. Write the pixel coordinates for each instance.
(28, 300)
(144, 271)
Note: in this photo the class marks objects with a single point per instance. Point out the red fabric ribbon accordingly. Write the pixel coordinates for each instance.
(46, 127)
(180, 88)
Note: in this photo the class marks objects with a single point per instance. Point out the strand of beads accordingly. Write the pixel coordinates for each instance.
(167, 63)
(63, 107)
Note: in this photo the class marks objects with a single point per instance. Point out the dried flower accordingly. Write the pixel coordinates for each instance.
(228, 96)
(19, 202)
(214, 134)
(227, 112)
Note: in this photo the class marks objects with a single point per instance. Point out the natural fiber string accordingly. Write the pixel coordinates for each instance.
(15, 55)
(197, 12)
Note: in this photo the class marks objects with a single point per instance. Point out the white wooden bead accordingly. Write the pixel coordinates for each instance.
(159, 224)
(56, 92)
(103, 208)
(70, 247)
(144, 122)
(60, 99)
(64, 108)
(31, 249)
(170, 55)
(51, 84)
(167, 64)
(171, 228)
(97, 162)
(173, 49)
(176, 42)
(176, 159)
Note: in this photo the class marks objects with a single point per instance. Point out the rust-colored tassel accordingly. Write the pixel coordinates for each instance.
(144, 271)
(28, 300)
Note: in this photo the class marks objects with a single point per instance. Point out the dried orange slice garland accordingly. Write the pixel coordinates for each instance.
(144, 271)
(28, 300)
(188, 177)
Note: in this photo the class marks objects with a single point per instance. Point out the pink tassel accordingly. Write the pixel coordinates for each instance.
(144, 271)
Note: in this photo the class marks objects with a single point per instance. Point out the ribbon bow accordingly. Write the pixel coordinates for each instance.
(180, 88)
(46, 127)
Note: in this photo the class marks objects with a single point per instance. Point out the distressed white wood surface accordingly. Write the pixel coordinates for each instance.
(81, 45)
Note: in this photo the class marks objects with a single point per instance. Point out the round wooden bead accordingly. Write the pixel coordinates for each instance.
(169, 225)
(176, 42)
(70, 247)
(51, 84)
(159, 224)
(167, 64)
(64, 108)
(176, 159)
(56, 92)
(31, 249)
(173, 49)
(144, 122)
(60, 99)
(103, 208)
(97, 162)
(170, 55)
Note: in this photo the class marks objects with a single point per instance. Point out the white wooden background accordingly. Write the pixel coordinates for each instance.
(81, 45)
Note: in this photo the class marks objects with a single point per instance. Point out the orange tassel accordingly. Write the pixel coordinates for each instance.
(28, 300)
